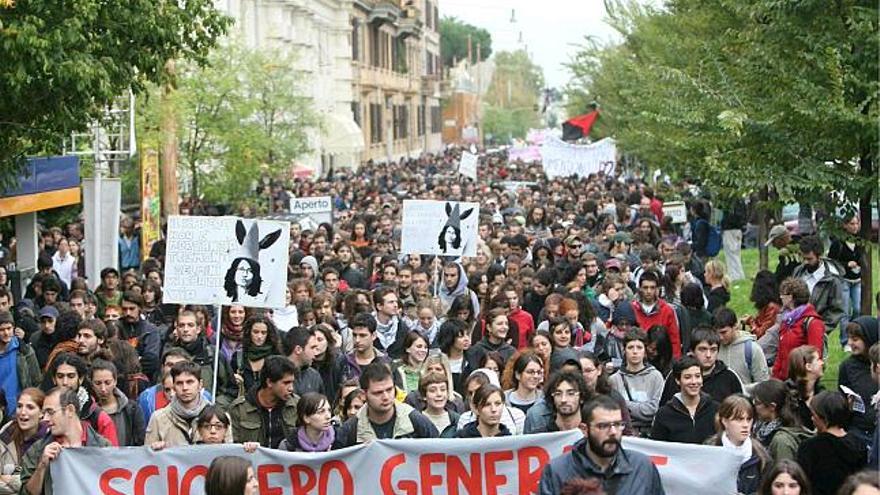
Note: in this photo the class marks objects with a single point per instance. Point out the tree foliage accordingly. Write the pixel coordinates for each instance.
(746, 96)
(62, 62)
(743, 94)
(512, 99)
(241, 115)
(454, 40)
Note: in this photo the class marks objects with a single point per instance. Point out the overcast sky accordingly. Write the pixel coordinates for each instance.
(550, 28)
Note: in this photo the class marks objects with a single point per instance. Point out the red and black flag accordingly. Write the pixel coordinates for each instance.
(578, 127)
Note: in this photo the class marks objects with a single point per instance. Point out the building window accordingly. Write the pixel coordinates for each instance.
(436, 120)
(355, 40)
(356, 112)
(429, 15)
(374, 46)
(420, 120)
(375, 123)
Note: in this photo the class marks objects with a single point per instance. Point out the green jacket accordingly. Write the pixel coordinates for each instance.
(785, 442)
(27, 366)
(249, 424)
(32, 459)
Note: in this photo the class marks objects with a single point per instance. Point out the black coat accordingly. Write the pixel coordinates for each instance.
(719, 384)
(673, 422)
(827, 460)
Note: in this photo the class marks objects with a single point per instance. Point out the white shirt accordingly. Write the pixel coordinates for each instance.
(813, 278)
(64, 267)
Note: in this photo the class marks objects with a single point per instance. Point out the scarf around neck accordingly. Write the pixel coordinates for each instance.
(764, 430)
(789, 317)
(323, 444)
(257, 352)
(744, 451)
(188, 414)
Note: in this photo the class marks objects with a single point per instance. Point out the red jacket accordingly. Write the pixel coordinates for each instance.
(526, 325)
(663, 314)
(792, 336)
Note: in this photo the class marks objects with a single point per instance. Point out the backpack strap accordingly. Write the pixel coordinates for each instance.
(749, 355)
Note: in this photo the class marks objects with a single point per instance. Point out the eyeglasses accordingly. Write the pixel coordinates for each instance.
(565, 393)
(576, 246)
(617, 425)
(48, 412)
(214, 426)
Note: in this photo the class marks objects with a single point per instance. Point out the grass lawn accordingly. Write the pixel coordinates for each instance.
(739, 302)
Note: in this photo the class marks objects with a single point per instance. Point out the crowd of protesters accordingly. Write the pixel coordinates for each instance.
(585, 307)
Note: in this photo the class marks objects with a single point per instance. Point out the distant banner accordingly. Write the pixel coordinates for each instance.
(527, 154)
(676, 210)
(223, 260)
(151, 201)
(509, 465)
(445, 228)
(311, 212)
(561, 159)
(467, 166)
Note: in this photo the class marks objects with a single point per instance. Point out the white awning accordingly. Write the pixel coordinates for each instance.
(341, 135)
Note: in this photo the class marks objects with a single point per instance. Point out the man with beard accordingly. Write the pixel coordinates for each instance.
(564, 396)
(824, 278)
(140, 333)
(405, 291)
(600, 455)
(421, 284)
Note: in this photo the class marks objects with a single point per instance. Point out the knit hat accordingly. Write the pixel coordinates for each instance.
(562, 356)
(623, 312)
(6, 317)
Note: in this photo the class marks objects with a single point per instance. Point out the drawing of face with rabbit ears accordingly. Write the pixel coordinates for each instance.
(450, 234)
(243, 278)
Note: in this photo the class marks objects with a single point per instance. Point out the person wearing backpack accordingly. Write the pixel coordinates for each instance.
(824, 279)
(705, 237)
(739, 350)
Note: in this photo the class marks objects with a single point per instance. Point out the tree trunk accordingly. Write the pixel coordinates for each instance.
(168, 131)
(866, 168)
(763, 252)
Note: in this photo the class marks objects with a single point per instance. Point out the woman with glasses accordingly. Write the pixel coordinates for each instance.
(522, 380)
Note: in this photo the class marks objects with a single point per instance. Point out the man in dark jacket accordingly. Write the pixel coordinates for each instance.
(824, 279)
(600, 455)
(140, 333)
(718, 380)
(560, 410)
(390, 329)
(267, 414)
(383, 417)
(689, 417)
(302, 344)
(855, 374)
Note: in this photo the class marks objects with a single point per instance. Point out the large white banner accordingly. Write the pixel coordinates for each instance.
(311, 212)
(504, 465)
(562, 159)
(446, 228)
(223, 260)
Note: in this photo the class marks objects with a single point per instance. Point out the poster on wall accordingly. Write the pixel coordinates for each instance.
(445, 228)
(224, 260)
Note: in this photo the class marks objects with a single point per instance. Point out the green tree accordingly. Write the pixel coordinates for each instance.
(511, 102)
(241, 115)
(454, 40)
(745, 96)
(62, 62)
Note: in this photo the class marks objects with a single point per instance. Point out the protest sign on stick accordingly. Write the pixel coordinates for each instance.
(311, 212)
(467, 166)
(445, 228)
(226, 260)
